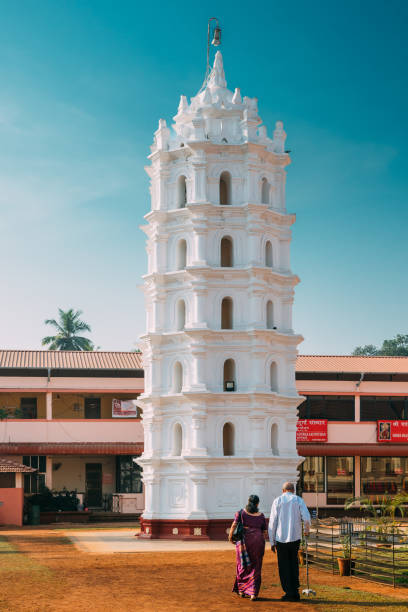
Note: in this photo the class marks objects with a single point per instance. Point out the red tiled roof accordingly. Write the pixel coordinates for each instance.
(81, 360)
(347, 363)
(6, 465)
(75, 448)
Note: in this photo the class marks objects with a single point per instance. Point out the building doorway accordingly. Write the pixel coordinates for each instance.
(93, 485)
(92, 407)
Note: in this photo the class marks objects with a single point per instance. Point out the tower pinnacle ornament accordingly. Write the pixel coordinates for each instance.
(219, 406)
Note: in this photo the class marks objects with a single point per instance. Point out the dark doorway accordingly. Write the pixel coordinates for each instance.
(93, 484)
(92, 407)
(28, 407)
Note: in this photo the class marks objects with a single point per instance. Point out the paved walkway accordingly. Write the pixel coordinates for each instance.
(124, 541)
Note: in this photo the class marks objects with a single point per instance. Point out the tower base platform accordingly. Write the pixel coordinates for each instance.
(179, 529)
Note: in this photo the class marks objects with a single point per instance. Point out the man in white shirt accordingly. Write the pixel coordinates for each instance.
(285, 531)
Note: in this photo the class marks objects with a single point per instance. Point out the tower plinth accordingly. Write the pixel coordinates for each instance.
(219, 406)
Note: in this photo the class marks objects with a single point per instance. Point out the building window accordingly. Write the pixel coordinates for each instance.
(28, 407)
(228, 440)
(7, 480)
(268, 254)
(381, 407)
(177, 440)
(269, 315)
(35, 482)
(265, 191)
(312, 475)
(229, 375)
(181, 261)
(225, 188)
(177, 377)
(340, 479)
(384, 475)
(181, 192)
(330, 407)
(181, 315)
(128, 475)
(227, 308)
(275, 439)
(226, 252)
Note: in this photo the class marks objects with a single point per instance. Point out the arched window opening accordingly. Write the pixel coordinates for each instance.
(274, 377)
(177, 377)
(229, 375)
(181, 254)
(225, 188)
(227, 313)
(268, 254)
(269, 316)
(181, 315)
(228, 440)
(226, 252)
(265, 191)
(181, 192)
(177, 440)
(274, 439)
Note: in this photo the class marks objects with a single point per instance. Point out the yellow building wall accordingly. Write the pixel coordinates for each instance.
(72, 405)
(12, 401)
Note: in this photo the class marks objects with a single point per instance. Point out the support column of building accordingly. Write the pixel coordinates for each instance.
(357, 476)
(357, 408)
(48, 405)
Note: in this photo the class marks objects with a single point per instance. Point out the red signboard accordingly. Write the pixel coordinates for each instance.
(392, 431)
(311, 430)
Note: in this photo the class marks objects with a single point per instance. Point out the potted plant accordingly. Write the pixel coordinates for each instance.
(344, 561)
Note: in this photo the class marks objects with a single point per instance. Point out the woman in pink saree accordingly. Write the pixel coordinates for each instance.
(250, 549)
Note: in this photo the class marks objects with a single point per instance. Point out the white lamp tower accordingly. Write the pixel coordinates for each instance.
(219, 406)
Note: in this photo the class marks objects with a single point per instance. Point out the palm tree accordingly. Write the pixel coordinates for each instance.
(67, 327)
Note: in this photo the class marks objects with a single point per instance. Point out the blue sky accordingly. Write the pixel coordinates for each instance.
(83, 85)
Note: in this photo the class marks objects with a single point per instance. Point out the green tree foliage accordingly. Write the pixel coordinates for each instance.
(68, 326)
(396, 347)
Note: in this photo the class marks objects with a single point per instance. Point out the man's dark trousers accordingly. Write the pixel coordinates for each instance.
(288, 564)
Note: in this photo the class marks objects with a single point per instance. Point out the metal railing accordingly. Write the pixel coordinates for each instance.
(376, 552)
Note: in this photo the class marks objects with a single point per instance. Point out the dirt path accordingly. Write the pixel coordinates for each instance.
(41, 571)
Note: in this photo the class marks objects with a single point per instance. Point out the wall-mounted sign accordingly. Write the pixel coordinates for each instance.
(124, 408)
(392, 431)
(311, 430)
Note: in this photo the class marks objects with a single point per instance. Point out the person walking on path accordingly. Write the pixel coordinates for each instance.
(249, 549)
(285, 531)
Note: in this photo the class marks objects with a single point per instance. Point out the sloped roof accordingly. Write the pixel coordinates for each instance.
(6, 465)
(78, 360)
(347, 363)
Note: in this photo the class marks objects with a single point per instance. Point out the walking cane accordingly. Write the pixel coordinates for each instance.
(308, 591)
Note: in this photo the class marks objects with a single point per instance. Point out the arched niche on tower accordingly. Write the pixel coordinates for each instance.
(227, 313)
(268, 254)
(265, 191)
(181, 191)
(273, 376)
(177, 440)
(229, 375)
(274, 439)
(228, 439)
(225, 188)
(270, 315)
(181, 254)
(178, 377)
(226, 252)
(180, 315)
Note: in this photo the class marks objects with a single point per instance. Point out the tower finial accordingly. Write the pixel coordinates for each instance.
(217, 75)
(216, 41)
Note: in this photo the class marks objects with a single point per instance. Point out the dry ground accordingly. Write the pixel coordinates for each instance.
(41, 571)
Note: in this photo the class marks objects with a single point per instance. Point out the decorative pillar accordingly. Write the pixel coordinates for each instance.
(48, 405)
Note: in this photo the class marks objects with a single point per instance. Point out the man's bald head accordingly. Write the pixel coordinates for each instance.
(288, 486)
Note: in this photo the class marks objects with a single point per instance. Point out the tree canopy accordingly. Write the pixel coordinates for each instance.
(395, 347)
(68, 326)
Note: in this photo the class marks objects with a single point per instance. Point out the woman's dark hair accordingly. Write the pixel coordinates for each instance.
(252, 505)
